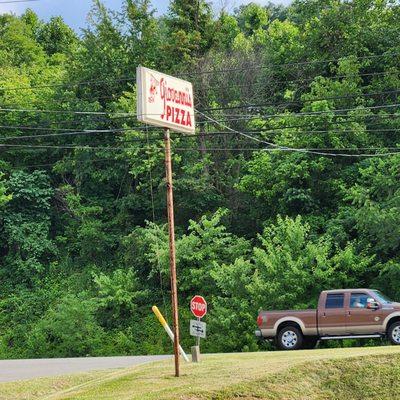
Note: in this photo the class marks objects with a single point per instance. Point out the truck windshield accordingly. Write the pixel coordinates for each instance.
(381, 297)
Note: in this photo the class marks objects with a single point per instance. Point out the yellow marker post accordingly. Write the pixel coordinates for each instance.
(165, 325)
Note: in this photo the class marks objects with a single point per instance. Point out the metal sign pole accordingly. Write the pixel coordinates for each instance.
(198, 337)
(172, 258)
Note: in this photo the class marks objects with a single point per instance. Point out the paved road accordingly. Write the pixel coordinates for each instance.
(14, 370)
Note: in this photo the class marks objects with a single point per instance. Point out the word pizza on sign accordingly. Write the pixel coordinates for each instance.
(165, 101)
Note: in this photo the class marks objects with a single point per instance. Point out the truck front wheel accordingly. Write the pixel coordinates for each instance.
(394, 333)
(290, 338)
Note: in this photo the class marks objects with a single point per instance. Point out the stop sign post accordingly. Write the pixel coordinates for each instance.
(198, 306)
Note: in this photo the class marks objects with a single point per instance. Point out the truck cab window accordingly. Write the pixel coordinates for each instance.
(335, 300)
(382, 298)
(359, 300)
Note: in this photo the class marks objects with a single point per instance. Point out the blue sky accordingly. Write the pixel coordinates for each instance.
(74, 11)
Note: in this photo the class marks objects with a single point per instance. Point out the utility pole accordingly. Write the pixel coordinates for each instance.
(172, 257)
(167, 102)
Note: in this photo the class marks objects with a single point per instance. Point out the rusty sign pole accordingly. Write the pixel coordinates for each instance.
(172, 258)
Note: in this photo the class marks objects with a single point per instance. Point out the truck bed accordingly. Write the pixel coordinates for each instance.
(269, 321)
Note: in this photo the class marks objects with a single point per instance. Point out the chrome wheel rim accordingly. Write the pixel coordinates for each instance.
(289, 339)
(396, 334)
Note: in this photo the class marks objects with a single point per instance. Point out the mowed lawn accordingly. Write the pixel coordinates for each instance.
(307, 374)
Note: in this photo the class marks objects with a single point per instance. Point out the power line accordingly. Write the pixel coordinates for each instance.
(127, 79)
(59, 147)
(247, 118)
(67, 84)
(262, 105)
(77, 112)
(335, 122)
(16, 1)
(133, 78)
(76, 133)
(263, 66)
(275, 147)
(142, 127)
(46, 128)
(311, 132)
(64, 160)
(307, 126)
(312, 113)
(124, 114)
(303, 149)
(260, 84)
(208, 134)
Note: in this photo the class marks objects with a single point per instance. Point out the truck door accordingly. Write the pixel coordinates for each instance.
(332, 317)
(360, 319)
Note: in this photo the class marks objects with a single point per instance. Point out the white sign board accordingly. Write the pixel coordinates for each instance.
(165, 101)
(198, 328)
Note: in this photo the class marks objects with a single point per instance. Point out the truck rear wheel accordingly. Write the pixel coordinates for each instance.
(394, 333)
(290, 338)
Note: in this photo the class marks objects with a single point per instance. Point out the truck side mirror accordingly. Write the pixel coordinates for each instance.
(372, 304)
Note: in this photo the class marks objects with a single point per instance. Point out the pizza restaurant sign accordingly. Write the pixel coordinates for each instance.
(165, 101)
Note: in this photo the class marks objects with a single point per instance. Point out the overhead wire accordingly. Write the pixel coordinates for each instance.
(263, 105)
(208, 134)
(124, 114)
(76, 133)
(311, 62)
(245, 118)
(233, 118)
(276, 147)
(76, 112)
(127, 79)
(307, 150)
(261, 66)
(312, 113)
(63, 160)
(16, 1)
(272, 147)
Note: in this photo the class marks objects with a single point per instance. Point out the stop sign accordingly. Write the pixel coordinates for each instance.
(198, 306)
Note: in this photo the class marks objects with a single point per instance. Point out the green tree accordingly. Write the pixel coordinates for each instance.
(67, 330)
(56, 37)
(119, 296)
(145, 38)
(17, 45)
(4, 197)
(190, 30)
(102, 55)
(26, 241)
(252, 18)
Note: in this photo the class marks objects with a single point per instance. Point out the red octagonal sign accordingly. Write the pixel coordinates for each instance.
(198, 306)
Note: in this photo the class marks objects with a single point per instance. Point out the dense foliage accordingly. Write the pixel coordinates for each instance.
(83, 238)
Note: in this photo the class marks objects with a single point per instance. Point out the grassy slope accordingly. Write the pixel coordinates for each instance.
(356, 378)
(42, 387)
(316, 374)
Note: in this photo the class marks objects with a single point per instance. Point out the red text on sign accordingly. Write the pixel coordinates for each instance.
(174, 112)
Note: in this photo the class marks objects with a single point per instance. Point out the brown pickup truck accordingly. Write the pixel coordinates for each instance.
(341, 314)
